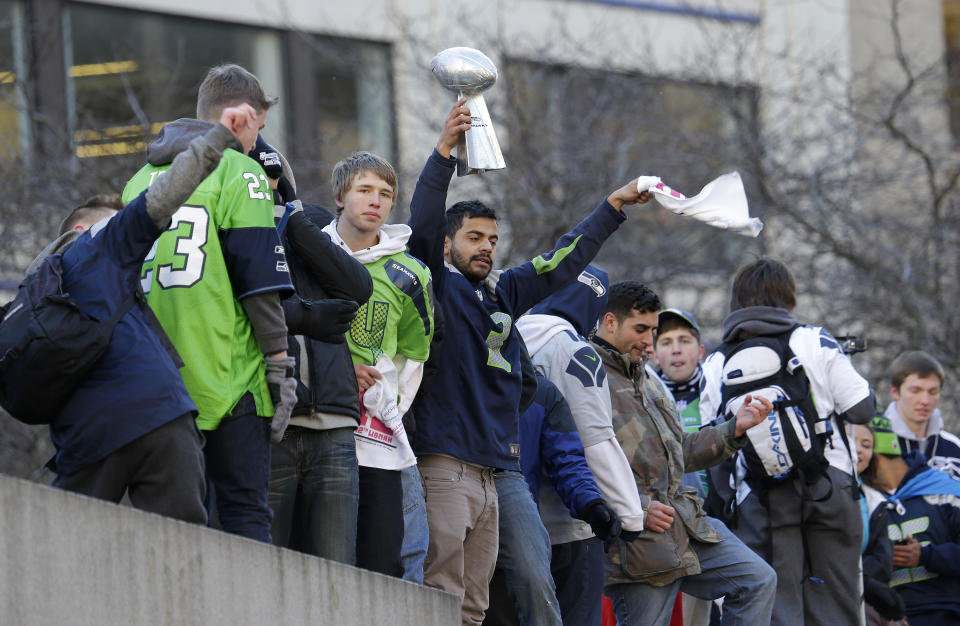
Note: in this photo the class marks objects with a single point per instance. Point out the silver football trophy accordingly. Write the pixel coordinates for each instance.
(469, 72)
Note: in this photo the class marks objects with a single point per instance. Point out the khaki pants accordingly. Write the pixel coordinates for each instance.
(462, 515)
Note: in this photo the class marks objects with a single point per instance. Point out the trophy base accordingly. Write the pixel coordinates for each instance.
(478, 149)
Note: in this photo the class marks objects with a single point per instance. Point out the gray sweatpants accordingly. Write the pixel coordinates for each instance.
(817, 584)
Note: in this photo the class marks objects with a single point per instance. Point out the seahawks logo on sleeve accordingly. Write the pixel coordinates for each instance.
(586, 366)
(592, 282)
(827, 341)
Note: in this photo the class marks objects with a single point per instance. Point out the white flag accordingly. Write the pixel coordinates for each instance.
(721, 203)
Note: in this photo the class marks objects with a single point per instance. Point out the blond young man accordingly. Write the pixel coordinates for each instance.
(389, 343)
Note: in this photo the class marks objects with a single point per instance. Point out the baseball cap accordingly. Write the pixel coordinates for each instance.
(687, 318)
(885, 441)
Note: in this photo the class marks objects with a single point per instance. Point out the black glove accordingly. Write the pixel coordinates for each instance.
(323, 320)
(268, 158)
(285, 192)
(603, 520)
(283, 392)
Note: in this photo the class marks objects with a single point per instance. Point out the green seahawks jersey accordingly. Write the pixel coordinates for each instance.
(220, 247)
(398, 317)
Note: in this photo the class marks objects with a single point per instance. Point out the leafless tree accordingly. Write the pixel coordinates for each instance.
(860, 200)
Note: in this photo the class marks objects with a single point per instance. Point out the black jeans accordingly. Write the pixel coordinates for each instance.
(161, 471)
(380, 521)
(238, 468)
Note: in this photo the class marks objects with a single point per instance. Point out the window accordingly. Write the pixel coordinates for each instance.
(951, 23)
(342, 102)
(13, 114)
(129, 72)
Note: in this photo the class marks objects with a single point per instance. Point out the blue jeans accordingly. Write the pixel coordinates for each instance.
(728, 568)
(416, 532)
(313, 493)
(524, 554)
(237, 458)
(577, 568)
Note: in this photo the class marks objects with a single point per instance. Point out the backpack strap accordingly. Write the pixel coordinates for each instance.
(120, 312)
(288, 210)
(841, 424)
(141, 299)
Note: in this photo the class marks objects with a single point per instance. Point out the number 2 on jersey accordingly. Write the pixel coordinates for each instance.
(254, 186)
(496, 339)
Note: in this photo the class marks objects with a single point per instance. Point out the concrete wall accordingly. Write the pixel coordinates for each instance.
(68, 559)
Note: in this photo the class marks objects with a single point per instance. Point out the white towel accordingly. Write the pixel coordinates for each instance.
(721, 203)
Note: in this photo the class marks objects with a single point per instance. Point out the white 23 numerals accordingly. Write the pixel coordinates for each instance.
(188, 246)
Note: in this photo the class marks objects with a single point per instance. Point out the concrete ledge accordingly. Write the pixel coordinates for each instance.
(68, 559)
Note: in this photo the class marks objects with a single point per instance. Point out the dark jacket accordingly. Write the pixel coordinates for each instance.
(135, 387)
(321, 270)
(550, 446)
(926, 506)
(878, 562)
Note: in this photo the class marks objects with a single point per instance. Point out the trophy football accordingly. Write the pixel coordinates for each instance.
(469, 72)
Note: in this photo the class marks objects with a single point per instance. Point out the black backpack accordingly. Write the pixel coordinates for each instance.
(791, 441)
(47, 345)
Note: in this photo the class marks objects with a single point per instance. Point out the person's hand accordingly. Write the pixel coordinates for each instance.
(659, 517)
(241, 120)
(628, 194)
(283, 392)
(366, 376)
(906, 554)
(753, 411)
(285, 190)
(457, 123)
(603, 520)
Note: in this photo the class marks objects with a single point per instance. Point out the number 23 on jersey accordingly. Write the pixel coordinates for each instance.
(188, 259)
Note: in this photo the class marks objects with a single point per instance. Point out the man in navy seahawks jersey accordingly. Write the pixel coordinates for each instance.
(467, 423)
(923, 515)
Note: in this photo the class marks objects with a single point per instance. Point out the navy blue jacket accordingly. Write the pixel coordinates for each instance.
(930, 513)
(549, 440)
(470, 411)
(136, 387)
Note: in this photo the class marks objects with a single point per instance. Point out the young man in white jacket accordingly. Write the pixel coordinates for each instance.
(389, 341)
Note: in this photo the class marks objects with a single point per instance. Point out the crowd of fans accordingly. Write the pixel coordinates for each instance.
(530, 439)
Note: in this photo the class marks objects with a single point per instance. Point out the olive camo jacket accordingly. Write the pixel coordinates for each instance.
(649, 429)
